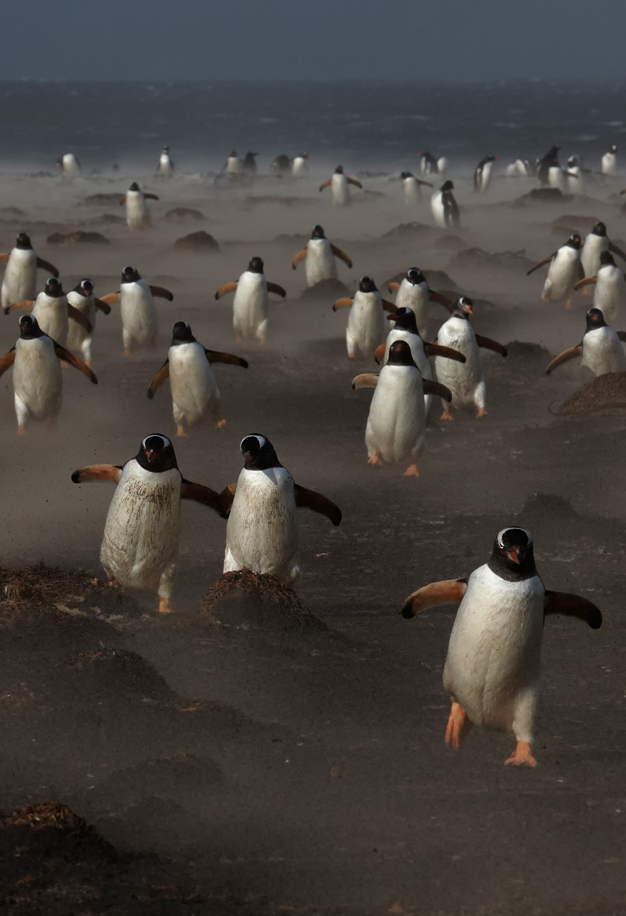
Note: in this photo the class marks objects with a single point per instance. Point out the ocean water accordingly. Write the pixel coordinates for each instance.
(368, 125)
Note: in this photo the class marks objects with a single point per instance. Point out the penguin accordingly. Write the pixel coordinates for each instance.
(140, 320)
(37, 375)
(248, 166)
(340, 185)
(596, 242)
(69, 164)
(194, 389)
(137, 213)
(609, 161)
(444, 207)
(484, 174)
(300, 165)
(320, 257)
(412, 187)
(233, 165)
(140, 543)
(549, 171)
(601, 348)
(20, 275)
(609, 294)
(366, 322)
(250, 305)
(396, 424)
(262, 529)
(428, 165)
(465, 380)
(521, 168)
(442, 165)
(493, 666)
(413, 292)
(281, 165)
(53, 311)
(565, 269)
(166, 166)
(575, 182)
(84, 301)
(406, 329)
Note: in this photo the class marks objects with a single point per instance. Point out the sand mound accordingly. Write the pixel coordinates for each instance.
(408, 230)
(45, 587)
(541, 196)
(77, 238)
(184, 214)
(197, 241)
(476, 257)
(100, 199)
(326, 290)
(531, 356)
(606, 391)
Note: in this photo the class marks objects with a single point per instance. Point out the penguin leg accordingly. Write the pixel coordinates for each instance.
(127, 339)
(416, 454)
(459, 725)
(165, 590)
(480, 399)
(351, 345)
(21, 412)
(522, 756)
(179, 419)
(447, 413)
(262, 331)
(86, 350)
(522, 728)
(375, 459)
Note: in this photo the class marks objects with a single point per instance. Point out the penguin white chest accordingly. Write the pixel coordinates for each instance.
(20, 277)
(412, 190)
(556, 178)
(603, 351)
(418, 353)
(192, 380)
(562, 274)
(366, 324)
(609, 293)
(37, 378)
(165, 166)
(77, 335)
(299, 166)
(397, 417)
(262, 529)
(137, 215)
(51, 315)
(609, 161)
(438, 210)
(486, 175)
(415, 296)
(590, 255)
(141, 532)
(340, 190)
(250, 305)
(139, 314)
(463, 379)
(320, 262)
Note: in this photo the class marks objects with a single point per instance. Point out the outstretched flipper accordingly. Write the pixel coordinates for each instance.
(437, 389)
(50, 268)
(7, 361)
(309, 499)
(586, 281)
(357, 184)
(393, 286)
(613, 248)
(5, 257)
(344, 303)
(275, 288)
(122, 200)
(488, 344)
(299, 257)
(426, 183)
(564, 357)
(227, 497)
(110, 298)
(98, 472)
(159, 379)
(225, 289)
(102, 306)
(441, 299)
(379, 353)
(447, 352)
(67, 357)
(204, 495)
(448, 591)
(340, 254)
(365, 380)
(162, 293)
(214, 356)
(18, 306)
(326, 184)
(622, 335)
(572, 606)
(151, 196)
(389, 307)
(541, 264)
(81, 319)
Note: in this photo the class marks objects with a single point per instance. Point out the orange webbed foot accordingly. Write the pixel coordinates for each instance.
(447, 414)
(180, 432)
(522, 757)
(412, 471)
(164, 606)
(459, 725)
(21, 430)
(481, 413)
(221, 423)
(376, 460)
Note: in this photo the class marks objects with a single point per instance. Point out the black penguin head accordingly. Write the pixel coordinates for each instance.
(606, 258)
(258, 453)
(447, 186)
(400, 354)
(339, 170)
(464, 308)
(23, 242)
(250, 157)
(595, 319)
(318, 233)
(404, 319)
(134, 186)
(84, 288)
(233, 154)
(367, 285)
(414, 275)
(29, 328)
(166, 149)
(407, 175)
(575, 241)
(54, 288)
(572, 162)
(599, 229)
(256, 266)
(513, 556)
(181, 333)
(156, 454)
(130, 275)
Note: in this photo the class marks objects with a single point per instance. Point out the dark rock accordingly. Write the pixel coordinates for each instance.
(197, 241)
(77, 238)
(184, 214)
(476, 257)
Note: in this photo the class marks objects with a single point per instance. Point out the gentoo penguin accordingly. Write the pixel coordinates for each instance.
(281, 165)
(575, 183)
(69, 163)
(406, 329)
(233, 165)
(484, 174)
(413, 292)
(188, 366)
(262, 529)
(465, 380)
(596, 242)
(166, 166)
(52, 311)
(522, 168)
(84, 301)
(609, 294)
(251, 302)
(444, 207)
(248, 166)
(609, 161)
(140, 543)
(299, 165)
(20, 275)
(428, 165)
(601, 348)
(320, 257)
(493, 667)
(140, 320)
(412, 187)
(137, 213)
(37, 376)
(565, 269)
(396, 424)
(366, 323)
(549, 171)
(340, 185)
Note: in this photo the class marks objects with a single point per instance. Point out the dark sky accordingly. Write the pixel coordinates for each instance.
(453, 40)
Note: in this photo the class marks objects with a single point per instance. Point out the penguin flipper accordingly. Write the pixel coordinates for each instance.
(427, 183)
(46, 265)
(326, 184)
(621, 335)
(488, 344)
(162, 293)
(204, 495)
(365, 380)
(227, 497)
(342, 304)
(17, 306)
(74, 361)
(565, 357)
(586, 281)
(151, 196)
(275, 288)
(102, 306)
(109, 298)
(447, 352)
(357, 184)
(617, 250)
(379, 353)
(309, 499)
(431, 387)
(97, 472)
(434, 296)
(77, 316)
(299, 257)
(214, 356)
(122, 200)
(448, 591)
(226, 288)
(5, 257)
(541, 264)
(7, 361)
(341, 254)
(393, 286)
(389, 307)
(159, 379)
(572, 606)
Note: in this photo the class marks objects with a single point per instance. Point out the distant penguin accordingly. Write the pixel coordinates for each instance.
(262, 529)
(248, 166)
(140, 542)
(575, 181)
(484, 174)
(281, 165)
(137, 213)
(609, 161)
(166, 166)
(428, 164)
(251, 302)
(37, 375)
(521, 168)
(233, 165)
(414, 293)
(442, 165)
(596, 242)
(565, 269)
(412, 187)
(493, 666)
(396, 424)
(140, 320)
(366, 323)
(340, 185)
(300, 165)
(20, 275)
(549, 171)
(188, 366)
(83, 300)
(609, 294)
(466, 380)
(69, 164)
(320, 257)
(601, 348)
(444, 207)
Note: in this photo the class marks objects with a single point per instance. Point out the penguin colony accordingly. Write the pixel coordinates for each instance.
(493, 665)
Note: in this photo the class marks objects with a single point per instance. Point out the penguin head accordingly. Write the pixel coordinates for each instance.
(181, 333)
(367, 285)
(233, 154)
(29, 328)
(407, 175)
(23, 242)
(572, 162)
(613, 149)
(404, 319)
(84, 288)
(447, 186)
(339, 170)
(134, 186)
(513, 556)
(606, 258)
(130, 275)
(258, 453)
(400, 354)
(256, 266)
(156, 454)
(464, 308)
(575, 241)
(166, 149)
(414, 275)
(54, 288)
(318, 233)
(599, 229)
(595, 319)
(250, 157)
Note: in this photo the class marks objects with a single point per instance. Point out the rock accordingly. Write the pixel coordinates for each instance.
(541, 196)
(77, 238)
(197, 241)
(97, 200)
(407, 230)
(184, 214)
